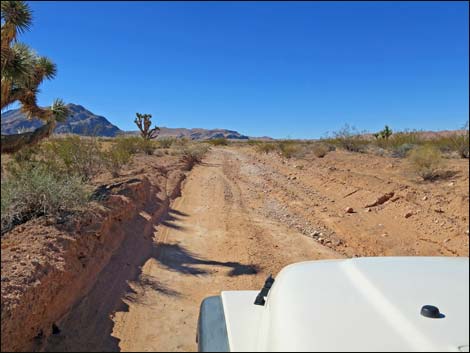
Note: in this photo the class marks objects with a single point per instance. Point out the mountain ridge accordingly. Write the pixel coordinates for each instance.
(83, 122)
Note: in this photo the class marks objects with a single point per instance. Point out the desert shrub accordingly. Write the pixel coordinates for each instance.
(193, 154)
(37, 191)
(349, 139)
(265, 147)
(461, 144)
(181, 142)
(402, 150)
(425, 161)
(375, 150)
(116, 157)
(222, 141)
(253, 142)
(147, 146)
(290, 148)
(73, 155)
(320, 150)
(165, 142)
(131, 144)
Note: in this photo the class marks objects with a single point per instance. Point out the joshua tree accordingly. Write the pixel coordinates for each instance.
(143, 122)
(386, 132)
(22, 73)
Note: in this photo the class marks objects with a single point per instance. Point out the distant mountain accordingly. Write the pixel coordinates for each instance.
(196, 134)
(80, 121)
(83, 122)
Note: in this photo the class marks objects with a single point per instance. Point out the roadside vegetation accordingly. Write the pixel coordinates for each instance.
(55, 178)
(426, 155)
(222, 141)
(399, 144)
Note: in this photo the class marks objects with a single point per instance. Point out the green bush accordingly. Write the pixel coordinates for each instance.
(147, 146)
(116, 157)
(165, 142)
(426, 161)
(73, 155)
(37, 191)
(131, 144)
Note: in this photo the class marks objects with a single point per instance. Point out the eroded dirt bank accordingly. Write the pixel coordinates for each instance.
(46, 269)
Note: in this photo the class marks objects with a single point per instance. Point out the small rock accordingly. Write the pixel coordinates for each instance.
(408, 214)
(451, 184)
(424, 198)
(368, 209)
(382, 199)
(447, 240)
(384, 235)
(349, 210)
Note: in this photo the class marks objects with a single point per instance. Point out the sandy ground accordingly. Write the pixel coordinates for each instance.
(243, 216)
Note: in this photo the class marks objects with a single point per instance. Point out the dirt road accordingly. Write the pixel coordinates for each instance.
(213, 239)
(210, 241)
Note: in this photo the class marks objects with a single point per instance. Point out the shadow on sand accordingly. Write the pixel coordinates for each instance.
(89, 325)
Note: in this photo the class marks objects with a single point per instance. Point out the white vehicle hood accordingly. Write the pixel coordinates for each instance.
(363, 304)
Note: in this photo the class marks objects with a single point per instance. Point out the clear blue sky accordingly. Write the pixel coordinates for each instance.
(283, 69)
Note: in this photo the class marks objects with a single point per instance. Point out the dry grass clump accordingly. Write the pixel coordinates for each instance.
(265, 147)
(425, 161)
(290, 148)
(320, 150)
(193, 154)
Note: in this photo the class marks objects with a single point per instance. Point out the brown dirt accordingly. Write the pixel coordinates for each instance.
(242, 216)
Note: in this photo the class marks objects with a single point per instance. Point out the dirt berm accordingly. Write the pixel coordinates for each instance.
(48, 268)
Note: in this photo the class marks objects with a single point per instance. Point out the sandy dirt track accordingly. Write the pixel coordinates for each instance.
(211, 240)
(243, 216)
